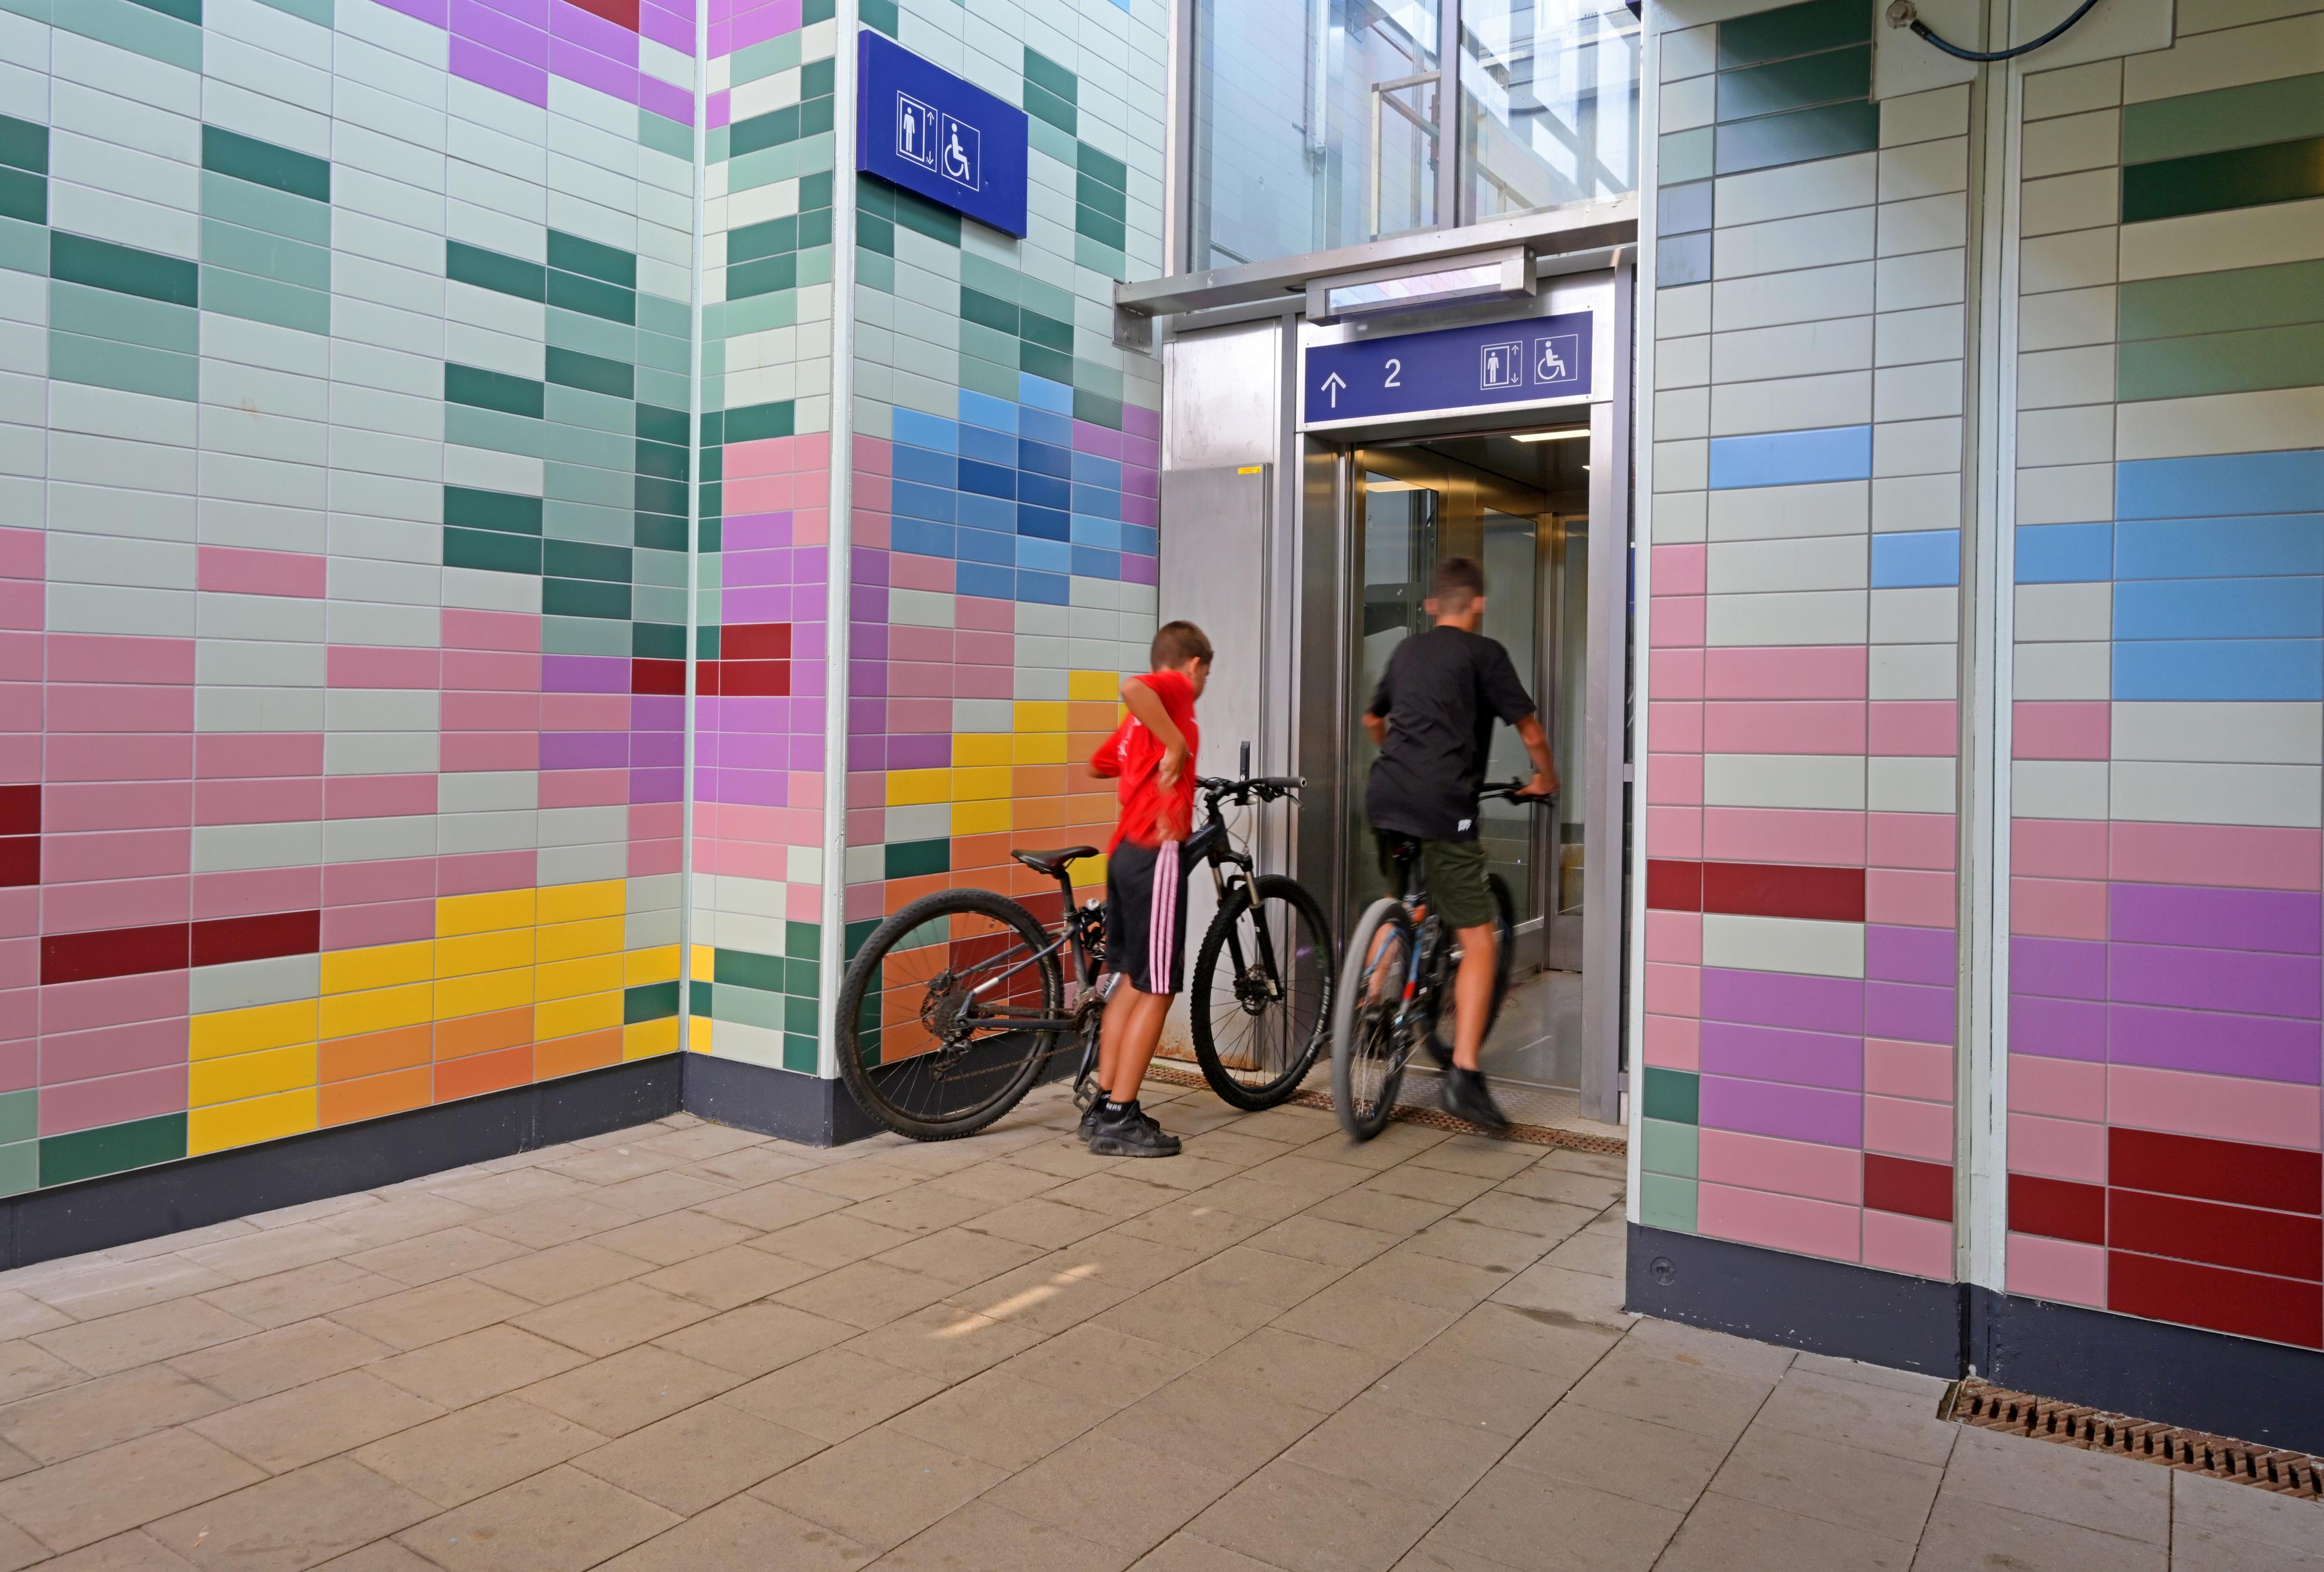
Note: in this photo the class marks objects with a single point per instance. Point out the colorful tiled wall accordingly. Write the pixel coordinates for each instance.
(1797, 1074)
(345, 380)
(2164, 965)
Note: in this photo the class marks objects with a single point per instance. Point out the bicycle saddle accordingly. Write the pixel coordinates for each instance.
(1053, 862)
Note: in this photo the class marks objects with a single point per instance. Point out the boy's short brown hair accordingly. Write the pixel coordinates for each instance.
(1174, 644)
(1459, 581)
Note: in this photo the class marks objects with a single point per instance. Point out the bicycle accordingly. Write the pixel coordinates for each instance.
(954, 1004)
(1397, 981)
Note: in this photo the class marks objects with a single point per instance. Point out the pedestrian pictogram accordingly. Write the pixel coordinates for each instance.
(916, 130)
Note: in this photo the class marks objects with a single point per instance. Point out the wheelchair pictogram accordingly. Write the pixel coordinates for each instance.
(1557, 357)
(958, 153)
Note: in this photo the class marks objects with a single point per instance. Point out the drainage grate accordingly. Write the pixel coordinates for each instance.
(1993, 1407)
(1430, 1118)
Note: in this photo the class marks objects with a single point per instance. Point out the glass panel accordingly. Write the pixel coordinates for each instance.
(1573, 678)
(1549, 104)
(1315, 125)
(1509, 560)
(1398, 553)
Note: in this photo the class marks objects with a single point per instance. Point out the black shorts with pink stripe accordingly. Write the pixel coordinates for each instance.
(1146, 915)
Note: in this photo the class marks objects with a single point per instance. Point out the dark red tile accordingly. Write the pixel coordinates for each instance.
(755, 678)
(2273, 1176)
(755, 641)
(19, 810)
(657, 676)
(257, 938)
(2279, 1243)
(706, 682)
(621, 12)
(1782, 890)
(1916, 1189)
(1673, 886)
(20, 860)
(2057, 1209)
(113, 952)
(2242, 1302)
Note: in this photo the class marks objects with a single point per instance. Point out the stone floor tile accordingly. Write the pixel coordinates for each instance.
(561, 1271)
(1542, 1182)
(1201, 1318)
(1433, 1555)
(436, 1255)
(1531, 1523)
(920, 1208)
(700, 1142)
(864, 1294)
(860, 1179)
(559, 1519)
(1619, 1455)
(610, 1165)
(1042, 1222)
(744, 1534)
(1195, 1224)
(92, 1289)
(1601, 1254)
(675, 1236)
(779, 1204)
(305, 1291)
(752, 1339)
(1550, 1221)
(1971, 1536)
(1232, 1147)
(1903, 1424)
(830, 1240)
(1001, 1420)
(420, 1315)
(1295, 1517)
(1849, 1486)
(1367, 1207)
(19, 1549)
(477, 1450)
(1258, 1199)
(998, 1183)
(255, 1367)
(629, 1390)
(959, 1257)
(609, 1319)
(1442, 1186)
(981, 1535)
(2216, 1506)
(1932, 1388)
(1429, 1459)
(1649, 1386)
(945, 1341)
(835, 1394)
(1310, 1237)
(1302, 1371)
(1113, 1367)
(1405, 1272)
(749, 1166)
(692, 1460)
(1119, 1194)
(97, 1494)
(1046, 1296)
(2092, 1490)
(1186, 1553)
(1585, 1296)
(1110, 1489)
(478, 1364)
(725, 1278)
(1480, 1156)
(2201, 1551)
(508, 1189)
(405, 1216)
(112, 1409)
(1763, 1362)
(1462, 1239)
(21, 1314)
(293, 1522)
(1723, 1534)
(656, 1194)
(1505, 1398)
(135, 1551)
(308, 1423)
(1354, 1316)
(142, 1336)
(879, 1488)
(269, 1251)
(1224, 1428)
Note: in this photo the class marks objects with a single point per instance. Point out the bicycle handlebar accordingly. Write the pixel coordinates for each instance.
(1515, 792)
(1263, 788)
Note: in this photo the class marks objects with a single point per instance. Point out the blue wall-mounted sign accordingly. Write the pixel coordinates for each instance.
(1532, 360)
(929, 132)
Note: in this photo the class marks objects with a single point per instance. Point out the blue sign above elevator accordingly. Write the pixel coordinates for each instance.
(1480, 367)
(931, 132)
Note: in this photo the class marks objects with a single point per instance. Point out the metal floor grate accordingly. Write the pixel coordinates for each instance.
(1430, 1118)
(2017, 1413)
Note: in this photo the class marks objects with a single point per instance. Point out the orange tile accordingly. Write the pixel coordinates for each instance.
(902, 892)
(474, 1034)
(1088, 715)
(565, 1055)
(1038, 780)
(1046, 815)
(369, 1096)
(376, 1053)
(483, 1072)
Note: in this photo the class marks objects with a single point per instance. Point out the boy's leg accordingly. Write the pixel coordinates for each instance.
(1472, 993)
(1131, 1048)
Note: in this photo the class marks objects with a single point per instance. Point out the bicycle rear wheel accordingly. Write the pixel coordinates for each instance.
(1259, 1010)
(918, 1043)
(1368, 1050)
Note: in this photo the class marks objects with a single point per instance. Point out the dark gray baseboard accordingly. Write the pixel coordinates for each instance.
(765, 1101)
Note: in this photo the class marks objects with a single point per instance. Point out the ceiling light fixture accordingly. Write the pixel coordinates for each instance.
(1568, 434)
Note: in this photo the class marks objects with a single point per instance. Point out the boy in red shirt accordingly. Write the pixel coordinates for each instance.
(1151, 756)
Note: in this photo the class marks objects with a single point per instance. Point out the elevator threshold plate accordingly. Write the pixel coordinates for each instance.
(1427, 1118)
(2017, 1413)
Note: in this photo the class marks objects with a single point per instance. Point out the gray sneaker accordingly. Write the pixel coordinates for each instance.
(1130, 1134)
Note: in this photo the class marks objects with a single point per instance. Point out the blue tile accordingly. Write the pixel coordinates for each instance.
(1043, 491)
(984, 546)
(1104, 501)
(2064, 553)
(983, 580)
(1047, 588)
(2219, 548)
(989, 446)
(2226, 484)
(1043, 555)
(1142, 538)
(982, 409)
(1044, 524)
(2220, 608)
(919, 537)
(1045, 459)
(987, 479)
(2228, 670)
(986, 513)
(924, 502)
(1091, 470)
(927, 431)
(925, 466)
(1091, 529)
(1038, 392)
(1089, 562)
(1791, 458)
(1044, 426)
(1916, 560)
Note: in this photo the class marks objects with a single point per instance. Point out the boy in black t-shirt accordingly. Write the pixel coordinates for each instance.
(1432, 718)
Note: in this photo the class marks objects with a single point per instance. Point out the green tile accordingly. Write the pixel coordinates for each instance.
(1100, 258)
(818, 78)
(715, 144)
(23, 197)
(571, 254)
(1047, 331)
(133, 27)
(925, 218)
(103, 265)
(593, 297)
(489, 270)
(1105, 380)
(1797, 137)
(877, 236)
(245, 158)
(985, 311)
(1666, 1202)
(2283, 110)
(1045, 106)
(597, 336)
(492, 510)
(24, 145)
(746, 1007)
(573, 521)
(1792, 30)
(490, 552)
(604, 489)
(1672, 1095)
(1109, 200)
(2220, 363)
(131, 368)
(579, 560)
(913, 859)
(584, 598)
(468, 426)
(744, 969)
(1669, 1149)
(698, 997)
(102, 314)
(649, 1002)
(1110, 233)
(1796, 84)
(801, 1055)
(652, 494)
(764, 60)
(1092, 165)
(112, 1148)
(755, 422)
(2220, 302)
(318, 12)
(20, 1167)
(187, 11)
(1037, 361)
(20, 1116)
(1043, 71)
(803, 942)
(655, 424)
(658, 641)
(770, 238)
(666, 137)
(572, 635)
(572, 368)
(766, 275)
(255, 251)
(490, 390)
(816, 117)
(265, 300)
(815, 191)
(264, 208)
(989, 378)
(2217, 182)
(1686, 155)
(1095, 410)
(882, 16)
(663, 461)
(814, 11)
(799, 1015)
(775, 128)
(600, 415)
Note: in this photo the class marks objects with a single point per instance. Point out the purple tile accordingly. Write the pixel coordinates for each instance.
(866, 717)
(671, 32)
(659, 712)
(657, 750)
(585, 749)
(578, 63)
(1910, 1013)
(2215, 979)
(583, 674)
(720, 110)
(2058, 1027)
(1833, 1005)
(755, 532)
(2290, 921)
(666, 785)
(869, 752)
(593, 32)
(2057, 968)
(806, 752)
(867, 678)
(1788, 1113)
(1766, 1053)
(2262, 1047)
(533, 14)
(1138, 420)
(1137, 569)
(755, 751)
(761, 23)
(920, 752)
(473, 62)
(755, 788)
(666, 99)
(867, 603)
(472, 19)
(868, 564)
(1909, 954)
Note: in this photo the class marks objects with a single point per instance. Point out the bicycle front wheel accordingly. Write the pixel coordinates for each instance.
(1368, 1036)
(1262, 992)
(926, 1031)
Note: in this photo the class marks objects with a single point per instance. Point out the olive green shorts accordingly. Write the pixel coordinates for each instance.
(1453, 873)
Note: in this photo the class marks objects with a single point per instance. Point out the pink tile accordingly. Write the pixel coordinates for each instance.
(1921, 1070)
(651, 858)
(118, 657)
(906, 571)
(1674, 1043)
(517, 711)
(386, 922)
(118, 709)
(2057, 1270)
(378, 796)
(150, 757)
(1674, 728)
(490, 629)
(1911, 840)
(23, 659)
(112, 1100)
(119, 853)
(1674, 778)
(1816, 672)
(1793, 1223)
(1791, 1167)
(1681, 570)
(2057, 908)
(2056, 1148)
(137, 903)
(2064, 729)
(113, 1001)
(656, 820)
(366, 883)
(1909, 1128)
(240, 570)
(246, 892)
(23, 554)
(1678, 622)
(1798, 726)
(2058, 848)
(112, 1050)
(118, 805)
(1674, 673)
(1922, 1246)
(1675, 832)
(461, 751)
(1673, 989)
(2059, 1088)
(583, 788)
(492, 671)
(1829, 838)
(1916, 729)
(1675, 936)
(2218, 1107)
(2235, 856)
(367, 666)
(480, 873)
(804, 903)
(1909, 898)
(584, 712)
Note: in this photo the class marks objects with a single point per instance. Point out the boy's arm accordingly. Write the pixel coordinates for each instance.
(1537, 747)
(1147, 705)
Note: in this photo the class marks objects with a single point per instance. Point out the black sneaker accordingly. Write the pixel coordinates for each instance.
(1467, 1096)
(1130, 1134)
(1090, 1117)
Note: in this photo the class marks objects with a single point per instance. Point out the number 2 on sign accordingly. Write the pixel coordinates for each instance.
(1395, 370)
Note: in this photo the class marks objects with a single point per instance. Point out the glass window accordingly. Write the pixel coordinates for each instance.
(1549, 104)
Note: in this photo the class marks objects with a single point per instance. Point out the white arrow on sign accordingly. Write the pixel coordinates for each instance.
(1333, 384)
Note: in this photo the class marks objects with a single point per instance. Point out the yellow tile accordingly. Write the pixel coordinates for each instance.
(483, 992)
(496, 951)
(483, 913)
(908, 786)
(226, 1032)
(1040, 748)
(697, 1033)
(970, 748)
(980, 785)
(1089, 686)
(702, 962)
(644, 1038)
(571, 979)
(250, 1074)
(1040, 715)
(377, 1009)
(378, 965)
(566, 941)
(257, 1119)
(981, 817)
(577, 903)
(571, 1017)
(656, 964)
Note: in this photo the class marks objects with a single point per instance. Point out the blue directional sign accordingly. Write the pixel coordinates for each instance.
(929, 132)
(1530, 361)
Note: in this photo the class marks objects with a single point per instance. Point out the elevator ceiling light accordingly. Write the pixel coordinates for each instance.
(1494, 275)
(1568, 434)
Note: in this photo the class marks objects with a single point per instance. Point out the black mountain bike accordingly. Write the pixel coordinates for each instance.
(955, 1005)
(1397, 984)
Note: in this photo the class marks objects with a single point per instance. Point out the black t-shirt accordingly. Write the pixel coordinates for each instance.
(1440, 694)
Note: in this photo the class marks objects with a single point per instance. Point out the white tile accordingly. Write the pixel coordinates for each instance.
(1916, 448)
(1845, 291)
(1797, 349)
(1911, 392)
(1909, 785)
(1783, 781)
(2065, 612)
(1764, 512)
(2057, 789)
(2054, 377)
(1916, 502)
(1798, 403)
(1914, 671)
(2066, 494)
(2245, 422)
(1924, 117)
(2067, 317)
(2243, 733)
(1783, 944)
(2073, 141)
(2074, 91)
(1791, 190)
(1924, 169)
(2070, 435)
(1758, 567)
(2291, 47)
(2259, 794)
(1821, 618)
(2085, 200)
(2079, 260)
(1915, 616)
(2210, 242)
(1928, 278)
(1787, 244)
(2063, 671)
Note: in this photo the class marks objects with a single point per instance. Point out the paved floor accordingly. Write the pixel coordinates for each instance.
(684, 1347)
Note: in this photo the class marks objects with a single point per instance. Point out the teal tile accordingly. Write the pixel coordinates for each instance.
(575, 635)
(490, 270)
(746, 1006)
(566, 444)
(664, 387)
(590, 372)
(490, 553)
(24, 145)
(2219, 183)
(671, 318)
(187, 11)
(38, 10)
(815, 266)
(466, 426)
(755, 422)
(1105, 380)
(102, 264)
(571, 254)
(1670, 1147)
(112, 1148)
(2284, 110)
(882, 16)
(591, 296)
(1793, 29)
(102, 314)
(265, 300)
(131, 368)
(1042, 71)
(492, 510)
(1672, 1095)
(649, 1002)
(1092, 165)
(2222, 363)
(591, 335)
(2221, 302)
(1092, 192)
(24, 198)
(1803, 134)
(1664, 1202)
(1059, 144)
(607, 488)
(746, 970)
(20, 1116)
(1100, 258)
(492, 390)
(1796, 84)
(255, 251)
(602, 415)
(20, 1166)
(132, 27)
(583, 597)
(664, 135)
(264, 208)
(245, 158)
(1047, 106)
(573, 521)
(318, 12)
